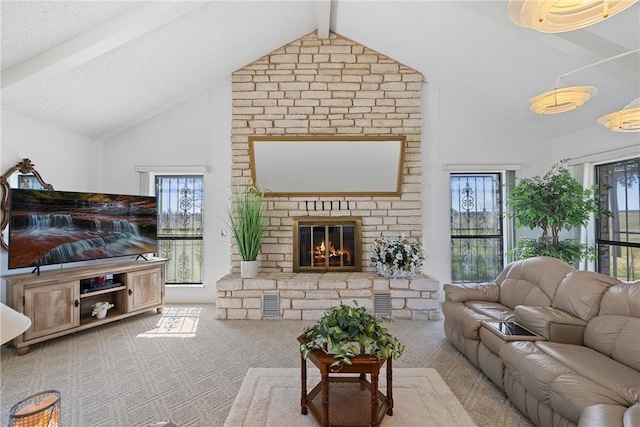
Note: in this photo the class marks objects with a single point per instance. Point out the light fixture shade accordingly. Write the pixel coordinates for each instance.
(557, 16)
(13, 323)
(39, 410)
(561, 99)
(625, 120)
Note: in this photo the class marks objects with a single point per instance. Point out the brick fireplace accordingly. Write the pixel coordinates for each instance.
(331, 87)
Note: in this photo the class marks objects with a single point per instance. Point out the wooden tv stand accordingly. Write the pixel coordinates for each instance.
(56, 304)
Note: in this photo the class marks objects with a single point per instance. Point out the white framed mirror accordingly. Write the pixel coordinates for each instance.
(24, 176)
(327, 165)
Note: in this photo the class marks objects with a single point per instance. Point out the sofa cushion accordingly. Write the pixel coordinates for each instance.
(596, 367)
(462, 319)
(615, 332)
(616, 336)
(492, 310)
(568, 377)
(571, 394)
(580, 293)
(532, 281)
(513, 353)
(610, 416)
(623, 299)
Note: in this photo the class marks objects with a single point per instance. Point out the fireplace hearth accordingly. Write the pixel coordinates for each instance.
(324, 244)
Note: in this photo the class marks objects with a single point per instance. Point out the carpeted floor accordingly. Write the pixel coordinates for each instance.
(186, 366)
(421, 398)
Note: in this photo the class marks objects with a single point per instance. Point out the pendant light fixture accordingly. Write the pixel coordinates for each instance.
(625, 120)
(561, 97)
(557, 16)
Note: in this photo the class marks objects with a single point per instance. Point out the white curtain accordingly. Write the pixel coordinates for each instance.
(584, 173)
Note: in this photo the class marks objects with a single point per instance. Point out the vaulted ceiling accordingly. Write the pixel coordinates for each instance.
(100, 67)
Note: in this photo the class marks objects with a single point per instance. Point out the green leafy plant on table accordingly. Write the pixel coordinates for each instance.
(554, 202)
(349, 331)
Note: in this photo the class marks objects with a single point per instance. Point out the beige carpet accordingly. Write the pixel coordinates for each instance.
(186, 366)
(271, 397)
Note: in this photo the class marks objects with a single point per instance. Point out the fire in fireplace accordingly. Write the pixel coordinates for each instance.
(327, 244)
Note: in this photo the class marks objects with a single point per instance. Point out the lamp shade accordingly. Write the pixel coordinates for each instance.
(12, 323)
(39, 410)
(625, 120)
(561, 99)
(557, 16)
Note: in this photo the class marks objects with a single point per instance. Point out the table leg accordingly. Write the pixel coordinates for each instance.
(389, 387)
(374, 398)
(325, 399)
(303, 376)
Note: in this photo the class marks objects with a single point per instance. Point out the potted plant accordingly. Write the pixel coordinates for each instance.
(397, 256)
(554, 202)
(349, 331)
(248, 225)
(100, 309)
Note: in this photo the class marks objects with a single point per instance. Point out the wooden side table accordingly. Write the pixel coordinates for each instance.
(346, 400)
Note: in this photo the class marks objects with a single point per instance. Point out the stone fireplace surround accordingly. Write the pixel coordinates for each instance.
(335, 87)
(305, 296)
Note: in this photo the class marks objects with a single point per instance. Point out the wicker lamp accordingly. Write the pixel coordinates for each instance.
(39, 410)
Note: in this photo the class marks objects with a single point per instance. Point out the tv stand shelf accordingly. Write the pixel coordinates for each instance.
(54, 302)
(103, 291)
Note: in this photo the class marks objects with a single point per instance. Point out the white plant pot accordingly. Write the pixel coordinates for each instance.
(101, 314)
(249, 269)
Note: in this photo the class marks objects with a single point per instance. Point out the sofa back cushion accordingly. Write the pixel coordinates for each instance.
(532, 281)
(580, 293)
(615, 331)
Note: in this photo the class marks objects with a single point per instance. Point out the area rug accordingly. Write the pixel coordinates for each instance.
(271, 397)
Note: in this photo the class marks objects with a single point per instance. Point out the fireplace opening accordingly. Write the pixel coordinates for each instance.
(327, 244)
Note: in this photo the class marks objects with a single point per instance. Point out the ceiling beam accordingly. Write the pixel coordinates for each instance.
(91, 44)
(323, 13)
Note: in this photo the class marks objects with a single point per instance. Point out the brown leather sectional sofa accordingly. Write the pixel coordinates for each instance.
(583, 368)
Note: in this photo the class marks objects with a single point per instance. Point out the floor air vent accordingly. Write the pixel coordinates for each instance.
(270, 305)
(382, 303)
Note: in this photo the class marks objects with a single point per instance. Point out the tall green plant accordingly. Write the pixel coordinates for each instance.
(554, 202)
(248, 222)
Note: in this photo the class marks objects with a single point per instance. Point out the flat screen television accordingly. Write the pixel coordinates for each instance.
(56, 227)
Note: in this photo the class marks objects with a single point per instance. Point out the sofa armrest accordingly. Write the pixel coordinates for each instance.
(553, 324)
(610, 415)
(461, 292)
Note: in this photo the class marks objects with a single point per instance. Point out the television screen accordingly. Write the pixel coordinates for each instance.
(55, 227)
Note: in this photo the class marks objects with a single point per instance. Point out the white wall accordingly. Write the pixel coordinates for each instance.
(461, 132)
(64, 159)
(196, 132)
(593, 140)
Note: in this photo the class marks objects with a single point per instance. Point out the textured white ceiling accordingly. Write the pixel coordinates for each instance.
(470, 49)
(31, 27)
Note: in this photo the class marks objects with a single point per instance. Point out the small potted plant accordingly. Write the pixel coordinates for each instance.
(397, 256)
(100, 309)
(349, 331)
(248, 224)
